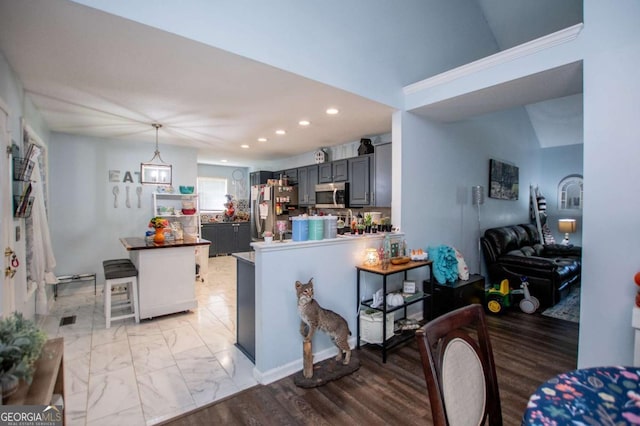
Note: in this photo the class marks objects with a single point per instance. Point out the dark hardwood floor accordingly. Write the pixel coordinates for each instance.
(528, 350)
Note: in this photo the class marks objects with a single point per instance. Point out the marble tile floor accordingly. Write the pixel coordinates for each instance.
(140, 374)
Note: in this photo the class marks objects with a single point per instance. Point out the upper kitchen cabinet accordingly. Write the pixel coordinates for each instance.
(360, 180)
(307, 180)
(382, 176)
(290, 174)
(334, 171)
(260, 177)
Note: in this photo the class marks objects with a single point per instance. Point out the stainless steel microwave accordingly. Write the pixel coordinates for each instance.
(332, 195)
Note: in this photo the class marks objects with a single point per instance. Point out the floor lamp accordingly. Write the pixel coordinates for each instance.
(477, 198)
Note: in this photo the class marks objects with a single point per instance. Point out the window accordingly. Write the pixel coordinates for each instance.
(212, 193)
(570, 193)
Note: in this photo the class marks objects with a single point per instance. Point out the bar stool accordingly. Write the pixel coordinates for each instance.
(118, 272)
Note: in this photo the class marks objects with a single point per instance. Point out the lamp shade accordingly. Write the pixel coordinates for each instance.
(567, 226)
(155, 174)
(477, 195)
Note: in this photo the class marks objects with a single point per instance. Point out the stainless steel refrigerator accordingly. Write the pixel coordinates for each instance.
(270, 203)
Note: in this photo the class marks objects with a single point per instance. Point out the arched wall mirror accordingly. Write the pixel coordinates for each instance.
(570, 193)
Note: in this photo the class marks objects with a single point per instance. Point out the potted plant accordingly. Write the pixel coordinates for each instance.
(368, 221)
(360, 228)
(21, 342)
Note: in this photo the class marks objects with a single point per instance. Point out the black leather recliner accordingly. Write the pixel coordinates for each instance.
(512, 252)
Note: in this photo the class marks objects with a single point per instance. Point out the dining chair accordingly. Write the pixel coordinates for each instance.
(458, 365)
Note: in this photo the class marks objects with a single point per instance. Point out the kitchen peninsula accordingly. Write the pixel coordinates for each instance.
(332, 265)
(166, 274)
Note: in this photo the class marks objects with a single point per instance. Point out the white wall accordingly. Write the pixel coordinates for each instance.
(85, 226)
(611, 250)
(558, 163)
(20, 107)
(345, 150)
(440, 164)
(368, 47)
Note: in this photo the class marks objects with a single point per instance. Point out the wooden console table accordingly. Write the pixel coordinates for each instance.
(389, 342)
(48, 377)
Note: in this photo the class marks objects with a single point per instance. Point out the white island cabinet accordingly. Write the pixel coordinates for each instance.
(166, 274)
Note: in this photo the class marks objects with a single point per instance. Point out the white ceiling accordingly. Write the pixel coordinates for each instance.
(552, 99)
(91, 73)
(95, 74)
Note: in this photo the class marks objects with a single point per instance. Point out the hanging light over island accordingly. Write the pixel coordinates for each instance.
(155, 173)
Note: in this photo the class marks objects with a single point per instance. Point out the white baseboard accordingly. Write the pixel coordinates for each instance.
(275, 374)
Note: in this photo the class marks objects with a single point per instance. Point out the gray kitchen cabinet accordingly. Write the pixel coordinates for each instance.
(382, 176)
(243, 237)
(307, 180)
(334, 171)
(360, 180)
(340, 170)
(227, 237)
(292, 175)
(325, 173)
(260, 177)
(208, 232)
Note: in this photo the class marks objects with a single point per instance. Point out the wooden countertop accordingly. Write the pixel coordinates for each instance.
(392, 269)
(138, 243)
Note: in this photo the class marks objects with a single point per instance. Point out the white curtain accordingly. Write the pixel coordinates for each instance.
(43, 261)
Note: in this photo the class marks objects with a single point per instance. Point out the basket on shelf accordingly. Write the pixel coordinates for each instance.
(371, 326)
(22, 169)
(22, 206)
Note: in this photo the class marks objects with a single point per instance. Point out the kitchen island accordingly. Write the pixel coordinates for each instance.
(332, 265)
(166, 274)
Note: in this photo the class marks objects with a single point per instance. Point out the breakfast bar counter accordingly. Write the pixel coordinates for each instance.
(332, 265)
(137, 243)
(166, 274)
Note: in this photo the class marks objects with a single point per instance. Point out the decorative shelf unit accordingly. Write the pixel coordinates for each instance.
(388, 343)
(22, 203)
(169, 206)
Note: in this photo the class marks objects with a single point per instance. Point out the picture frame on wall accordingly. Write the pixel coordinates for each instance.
(503, 180)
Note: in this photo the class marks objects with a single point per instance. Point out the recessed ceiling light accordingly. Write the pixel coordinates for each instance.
(244, 146)
(223, 161)
(262, 139)
(332, 111)
(304, 122)
(280, 132)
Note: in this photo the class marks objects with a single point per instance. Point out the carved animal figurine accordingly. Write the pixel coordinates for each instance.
(315, 317)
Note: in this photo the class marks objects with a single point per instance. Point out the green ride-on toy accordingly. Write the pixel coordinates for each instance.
(498, 298)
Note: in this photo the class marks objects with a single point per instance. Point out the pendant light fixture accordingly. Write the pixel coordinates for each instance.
(158, 173)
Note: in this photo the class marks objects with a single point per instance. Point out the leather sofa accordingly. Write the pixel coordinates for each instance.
(512, 252)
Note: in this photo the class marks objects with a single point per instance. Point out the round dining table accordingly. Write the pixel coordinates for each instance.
(589, 396)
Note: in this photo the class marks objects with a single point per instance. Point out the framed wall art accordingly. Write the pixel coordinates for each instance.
(503, 180)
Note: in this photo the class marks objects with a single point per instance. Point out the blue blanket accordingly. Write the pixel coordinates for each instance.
(445, 264)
